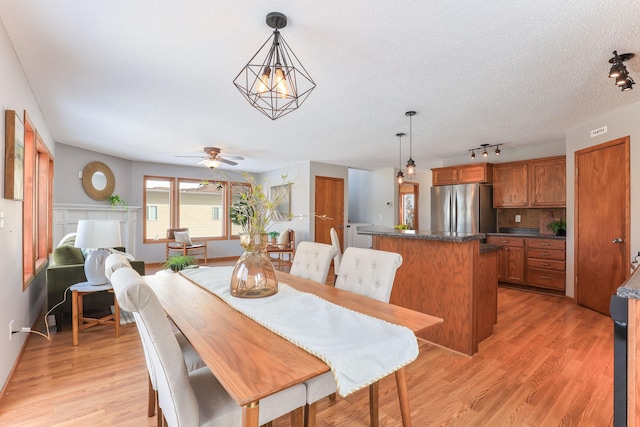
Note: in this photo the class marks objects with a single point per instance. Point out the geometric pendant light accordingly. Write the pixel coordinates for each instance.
(274, 81)
(411, 165)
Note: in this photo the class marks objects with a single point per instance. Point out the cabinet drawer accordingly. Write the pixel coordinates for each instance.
(547, 264)
(546, 244)
(545, 254)
(546, 279)
(505, 241)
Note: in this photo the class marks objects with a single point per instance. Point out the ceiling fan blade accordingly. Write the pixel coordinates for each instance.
(229, 162)
(200, 156)
(230, 156)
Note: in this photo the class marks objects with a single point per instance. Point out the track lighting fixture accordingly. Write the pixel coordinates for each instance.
(411, 165)
(484, 148)
(619, 71)
(400, 175)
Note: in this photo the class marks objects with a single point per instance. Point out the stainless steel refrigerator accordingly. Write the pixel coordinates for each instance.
(463, 208)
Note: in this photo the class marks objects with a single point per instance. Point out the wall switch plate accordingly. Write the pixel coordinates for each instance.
(518, 218)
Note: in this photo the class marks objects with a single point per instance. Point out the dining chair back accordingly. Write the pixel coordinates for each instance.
(335, 242)
(368, 272)
(188, 399)
(179, 241)
(312, 261)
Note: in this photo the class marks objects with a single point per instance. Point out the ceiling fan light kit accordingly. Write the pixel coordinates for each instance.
(213, 159)
(279, 83)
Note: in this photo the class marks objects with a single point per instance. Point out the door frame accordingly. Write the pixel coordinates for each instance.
(625, 141)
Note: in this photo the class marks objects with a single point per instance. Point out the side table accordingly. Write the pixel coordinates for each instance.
(79, 322)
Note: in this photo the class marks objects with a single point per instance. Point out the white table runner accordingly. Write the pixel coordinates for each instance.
(359, 349)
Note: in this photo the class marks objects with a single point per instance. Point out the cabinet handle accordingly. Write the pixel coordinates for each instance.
(504, 241)
(545, 264)
(545, 277)
(506, 249)
(545, 254)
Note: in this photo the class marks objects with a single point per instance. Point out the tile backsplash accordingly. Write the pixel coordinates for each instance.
(530, 218)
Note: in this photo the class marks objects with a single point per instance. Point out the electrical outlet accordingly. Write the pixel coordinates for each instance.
(518, 218)
(10, 330)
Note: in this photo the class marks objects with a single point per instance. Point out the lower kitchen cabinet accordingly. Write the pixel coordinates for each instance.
(531, 262)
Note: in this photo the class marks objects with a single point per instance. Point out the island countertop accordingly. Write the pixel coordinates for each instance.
(630, 288)
(443, 236)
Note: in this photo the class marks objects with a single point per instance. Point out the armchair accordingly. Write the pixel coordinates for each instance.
(178, 240)
(286, 245)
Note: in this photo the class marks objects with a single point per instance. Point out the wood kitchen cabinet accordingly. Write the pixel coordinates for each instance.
(546, 263)
(511, 258)
(510, 189)
(548, 182)
(533, 183)
(463, 174)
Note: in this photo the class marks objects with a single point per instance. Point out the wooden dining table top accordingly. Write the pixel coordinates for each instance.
(250, 361)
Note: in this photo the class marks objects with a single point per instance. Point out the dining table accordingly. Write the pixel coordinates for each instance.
(252, 362)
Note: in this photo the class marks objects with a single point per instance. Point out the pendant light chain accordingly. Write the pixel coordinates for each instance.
(411, 165)
(400, 175)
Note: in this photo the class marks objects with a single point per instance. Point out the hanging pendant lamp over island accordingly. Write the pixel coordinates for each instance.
(411, 165)
(279, 83)
(400, 175)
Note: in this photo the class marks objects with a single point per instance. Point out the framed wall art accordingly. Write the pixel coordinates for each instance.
(281, 196)
(14, 157)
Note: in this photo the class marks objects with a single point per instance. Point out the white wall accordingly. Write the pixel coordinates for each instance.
(619, 124)
(16, 304)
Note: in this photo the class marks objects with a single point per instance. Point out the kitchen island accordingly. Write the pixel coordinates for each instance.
(449, 275)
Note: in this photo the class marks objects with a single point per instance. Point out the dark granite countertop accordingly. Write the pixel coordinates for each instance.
(485, 248)
(630, 288)
(442, 236)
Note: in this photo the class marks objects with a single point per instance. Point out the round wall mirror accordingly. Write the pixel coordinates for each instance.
(98, 181)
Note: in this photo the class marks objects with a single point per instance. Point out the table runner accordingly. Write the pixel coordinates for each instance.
(359, 349)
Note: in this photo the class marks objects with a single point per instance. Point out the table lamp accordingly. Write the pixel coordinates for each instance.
(97, 235)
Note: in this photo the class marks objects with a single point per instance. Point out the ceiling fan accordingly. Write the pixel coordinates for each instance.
(212, 158)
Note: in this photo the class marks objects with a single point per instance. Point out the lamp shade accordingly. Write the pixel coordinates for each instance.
(98, 233)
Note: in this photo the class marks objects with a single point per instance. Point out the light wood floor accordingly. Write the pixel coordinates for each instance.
(549, 363)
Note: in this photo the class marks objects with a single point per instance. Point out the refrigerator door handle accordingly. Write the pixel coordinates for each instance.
(454, 228)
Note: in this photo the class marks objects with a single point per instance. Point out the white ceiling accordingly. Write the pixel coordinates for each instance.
(147, 80)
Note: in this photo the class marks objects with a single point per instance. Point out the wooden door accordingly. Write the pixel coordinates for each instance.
(602, 222)
(510, 186)
(329, 201)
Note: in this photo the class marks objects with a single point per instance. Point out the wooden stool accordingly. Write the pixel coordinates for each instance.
(79, 322)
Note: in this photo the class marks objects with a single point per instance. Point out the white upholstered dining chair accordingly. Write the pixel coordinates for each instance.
(191, 358)
(367, 272)
(312, 261)
(188, 398)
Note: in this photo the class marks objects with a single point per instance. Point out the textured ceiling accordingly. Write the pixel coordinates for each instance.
(149, 80)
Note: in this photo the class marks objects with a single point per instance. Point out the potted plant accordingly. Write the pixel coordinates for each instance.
(116, 200)
(179, 262)
(273, 236)
(559, 227)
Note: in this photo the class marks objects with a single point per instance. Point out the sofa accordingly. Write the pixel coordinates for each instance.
(66, 268)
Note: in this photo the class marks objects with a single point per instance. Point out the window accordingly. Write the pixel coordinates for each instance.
(200, 206)
(152, 212)
(37, 206)
(157, 193)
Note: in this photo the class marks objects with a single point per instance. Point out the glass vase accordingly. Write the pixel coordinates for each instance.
(254, 275)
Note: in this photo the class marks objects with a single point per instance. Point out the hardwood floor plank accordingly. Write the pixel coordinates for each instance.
(549, 362)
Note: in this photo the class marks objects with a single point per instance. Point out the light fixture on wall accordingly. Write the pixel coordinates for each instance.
(279, 84)
(400, 175)
(619, 71)
(484, 147)
(411, 165)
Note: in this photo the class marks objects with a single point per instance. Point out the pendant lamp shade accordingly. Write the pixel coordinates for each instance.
(274, 81)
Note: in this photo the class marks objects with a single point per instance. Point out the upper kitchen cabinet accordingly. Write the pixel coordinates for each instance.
(539, 183)
(463, 174)
(548, 183)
